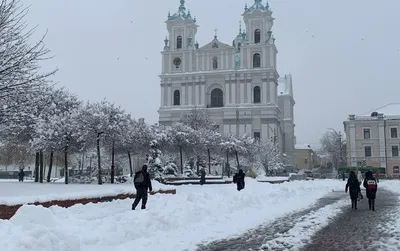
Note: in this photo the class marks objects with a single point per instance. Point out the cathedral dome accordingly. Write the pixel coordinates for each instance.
(181, 14)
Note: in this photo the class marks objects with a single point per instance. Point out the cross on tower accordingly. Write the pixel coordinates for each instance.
(215, 32)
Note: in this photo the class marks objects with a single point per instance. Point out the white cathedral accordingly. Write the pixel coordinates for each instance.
(238, 83)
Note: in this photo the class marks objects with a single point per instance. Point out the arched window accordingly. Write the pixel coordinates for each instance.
(179, 42)
(177, 98)
(257, 94)
(239, 45)
(256, 60)
(217, 98)
(215, 63)
(257, 36)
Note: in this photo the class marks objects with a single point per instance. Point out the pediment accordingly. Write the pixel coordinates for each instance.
(215, 44)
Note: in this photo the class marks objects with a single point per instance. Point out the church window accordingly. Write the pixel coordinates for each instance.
(217, 98)
(239, 45)
(256, 60)
(215, 63)
(179, 42)
(257, 36)
(257, 94)
(177, 62)
(177, 97)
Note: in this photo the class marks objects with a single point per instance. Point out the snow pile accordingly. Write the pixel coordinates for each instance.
(171, 222)
(14, 193)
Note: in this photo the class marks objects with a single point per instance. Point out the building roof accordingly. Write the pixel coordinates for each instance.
(392, 109)
(257, 6)
(302, 147)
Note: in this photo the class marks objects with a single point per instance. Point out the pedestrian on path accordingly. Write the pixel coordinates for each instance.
(202, 176)
(354, 187)
(142, 182)
(238, 178)
(371, 187)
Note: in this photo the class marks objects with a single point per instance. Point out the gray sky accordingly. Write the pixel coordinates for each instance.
(344, 55)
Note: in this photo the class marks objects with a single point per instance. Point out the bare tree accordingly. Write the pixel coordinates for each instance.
(332, 143)
(19, 65)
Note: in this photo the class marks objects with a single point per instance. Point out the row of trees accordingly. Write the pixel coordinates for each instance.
(38, 118)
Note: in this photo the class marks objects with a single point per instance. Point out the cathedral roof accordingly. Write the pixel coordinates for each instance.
(215, 43)
(182, 13)
(257, 6)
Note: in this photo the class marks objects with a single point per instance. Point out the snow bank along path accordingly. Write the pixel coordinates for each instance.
(171, 222)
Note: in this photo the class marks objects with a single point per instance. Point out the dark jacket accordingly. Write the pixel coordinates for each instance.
(370, 184)
(202, 176)
(239, 180)
(353, 185)
(146, 183)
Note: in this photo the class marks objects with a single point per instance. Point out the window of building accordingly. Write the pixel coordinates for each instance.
(179, 42)
(177, 98)
(395, 151)
(367, 133)
(257, 94)
(239, 45)
(217, 98)
(215, 63)
(257, 135)
(257, 36)
(256, 60)
(393, 132)
(367, 151)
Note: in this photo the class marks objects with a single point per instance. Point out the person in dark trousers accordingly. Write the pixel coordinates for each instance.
(142, 182)
(354, 186)
(202, 176)
(21, 175)
(238, 178)
(371, 187)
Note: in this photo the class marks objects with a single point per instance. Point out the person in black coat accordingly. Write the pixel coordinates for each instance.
(371, 187)
(202, 176)
(142, 182)
(239, 179)
(354, 186)
(21, 175)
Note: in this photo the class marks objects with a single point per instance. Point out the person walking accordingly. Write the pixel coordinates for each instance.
(371, 187)
(142, 182)
(202, 176)
(238, 178)
(21, 175)
(354, 187)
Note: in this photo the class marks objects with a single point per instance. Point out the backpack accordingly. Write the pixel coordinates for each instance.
(371, 184)
(139, 180)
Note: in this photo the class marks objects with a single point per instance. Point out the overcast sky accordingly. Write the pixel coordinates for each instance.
(344, 55)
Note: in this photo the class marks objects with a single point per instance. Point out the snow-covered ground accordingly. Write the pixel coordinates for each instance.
(272, 178)
(13, 192)
(390, 239)
(171, 222)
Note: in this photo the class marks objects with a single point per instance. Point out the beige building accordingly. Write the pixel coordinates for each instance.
(304, 157)
(373, 139)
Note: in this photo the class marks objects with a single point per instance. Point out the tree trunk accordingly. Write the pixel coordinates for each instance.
(41, 171)
(227, 163)
(66, 174)
(198, 165)
(180, 152)
(50, 166)
(237, 160)
(113, 163)
(37, 162)
(100, 182)
(130, 164)
(209, 161)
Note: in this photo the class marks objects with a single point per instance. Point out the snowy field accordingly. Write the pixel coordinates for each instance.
(13, 192)
(272, 178)
(171, 222)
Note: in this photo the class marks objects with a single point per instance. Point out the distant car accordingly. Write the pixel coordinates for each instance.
(308, 178)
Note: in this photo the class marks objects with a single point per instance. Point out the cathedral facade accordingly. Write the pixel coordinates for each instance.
(238, 83)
